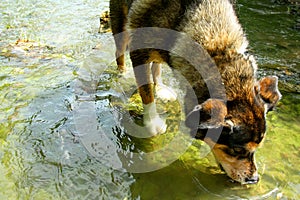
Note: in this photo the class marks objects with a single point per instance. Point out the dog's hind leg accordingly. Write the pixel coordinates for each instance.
(162, 91)
(121, 46)
(118, 15)
(153, 123)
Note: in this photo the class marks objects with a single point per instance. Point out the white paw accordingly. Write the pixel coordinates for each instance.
(152, 122)
(155, 126)
(165, 93)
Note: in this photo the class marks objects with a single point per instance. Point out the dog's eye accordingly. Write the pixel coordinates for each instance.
(235, 152)
(239, 150)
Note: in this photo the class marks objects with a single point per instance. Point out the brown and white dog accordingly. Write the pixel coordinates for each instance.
(241, 116)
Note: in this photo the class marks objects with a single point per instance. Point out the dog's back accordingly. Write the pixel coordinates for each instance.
(211, 23)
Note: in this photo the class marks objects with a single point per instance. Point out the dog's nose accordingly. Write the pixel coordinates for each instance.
(252, 180)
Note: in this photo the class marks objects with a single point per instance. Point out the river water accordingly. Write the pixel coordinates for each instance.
(63, 112)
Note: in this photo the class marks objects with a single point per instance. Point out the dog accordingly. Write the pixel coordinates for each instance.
(240, 116)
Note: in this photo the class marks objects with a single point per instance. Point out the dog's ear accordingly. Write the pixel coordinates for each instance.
(268, 91)
(208, 115)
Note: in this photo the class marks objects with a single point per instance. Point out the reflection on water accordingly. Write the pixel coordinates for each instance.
(45, 45)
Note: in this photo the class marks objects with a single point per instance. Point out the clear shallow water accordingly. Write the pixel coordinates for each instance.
(42, 155)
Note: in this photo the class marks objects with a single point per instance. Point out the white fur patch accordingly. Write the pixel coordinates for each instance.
(153, 123)
(165, 93)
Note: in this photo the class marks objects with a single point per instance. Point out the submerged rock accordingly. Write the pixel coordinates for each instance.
(104, 22)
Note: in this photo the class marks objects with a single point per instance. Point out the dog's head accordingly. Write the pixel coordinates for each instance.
(234, 129)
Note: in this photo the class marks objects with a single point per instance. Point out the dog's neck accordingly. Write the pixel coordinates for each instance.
(238, 75)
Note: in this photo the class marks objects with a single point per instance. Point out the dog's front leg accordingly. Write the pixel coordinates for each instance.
(162, 91)
(153, 123)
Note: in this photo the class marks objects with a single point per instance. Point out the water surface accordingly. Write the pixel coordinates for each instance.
(53, 58)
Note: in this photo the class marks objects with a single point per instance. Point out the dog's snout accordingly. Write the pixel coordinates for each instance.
(252, 180)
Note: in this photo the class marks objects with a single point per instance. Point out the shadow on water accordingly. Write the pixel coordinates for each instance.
(42, 55)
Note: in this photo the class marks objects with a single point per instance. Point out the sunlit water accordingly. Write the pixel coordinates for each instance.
(61, 63)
